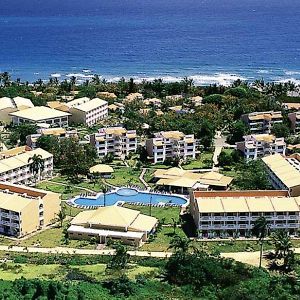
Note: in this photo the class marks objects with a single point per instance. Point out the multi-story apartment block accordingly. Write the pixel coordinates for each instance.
(171, 144)
(262, 122)
(284, 173)
(41, 114)
(31, 140)
(255, 146)
(295, 121)
(15, 165)
(233, 213)
(24, 210)
(88, 111)
(116, 140)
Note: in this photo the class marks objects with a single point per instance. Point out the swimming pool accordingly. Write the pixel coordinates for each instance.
(131, 196)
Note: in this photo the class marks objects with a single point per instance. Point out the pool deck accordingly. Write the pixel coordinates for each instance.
(72, 202)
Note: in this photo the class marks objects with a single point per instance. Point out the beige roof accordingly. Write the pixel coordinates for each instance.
(107, 95)
(53, 131)
(264, 115)
(143, 223)
(21, 159)
(114, 130)
(14, 201)
(269, 138)
(247, 204)
(14, 151)
(22, 103)
(210, 205)
(179, 177)
(90, 105)
(100, 168)
(291, 105)
(114, 216)
(172, 134)
(258, 204)
(285, 204)
(39, 113)
(6, 102)
(283, 170)
(234, 205)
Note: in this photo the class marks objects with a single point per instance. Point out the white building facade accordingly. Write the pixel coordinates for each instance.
(115, 140)
(233, 214)
(171, 144)
(255, 146)
(16, 168)
(262, 122)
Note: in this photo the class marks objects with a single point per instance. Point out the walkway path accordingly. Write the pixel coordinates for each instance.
(251, 258)
(141, 178)
(219, 143)
(65, 250)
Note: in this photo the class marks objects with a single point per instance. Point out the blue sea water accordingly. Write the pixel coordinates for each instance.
(209, 40)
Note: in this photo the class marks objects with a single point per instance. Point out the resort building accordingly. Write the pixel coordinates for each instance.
(180, 181)
(101, 170)
(88, 111)
(31, 140)
(115, 140)
(133, 97)
(284, 173)
(113, 223)
(262, 122)
(295, 121)
(260, 145)
(171, 144)
(24, 210)
(41, 114)
(155, 102)
(8, 105)
(15, 165)
(107, 95)
(233, 213)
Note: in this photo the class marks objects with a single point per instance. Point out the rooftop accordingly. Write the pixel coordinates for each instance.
(288, 175)
(39, 113)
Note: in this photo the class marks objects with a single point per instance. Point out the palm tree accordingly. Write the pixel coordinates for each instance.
(61, 216)
(179, 244)
(37, 165)
(260, 230)
(104, 190)
(283, 248)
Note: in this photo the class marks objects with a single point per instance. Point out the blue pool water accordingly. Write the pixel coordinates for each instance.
(130, 195)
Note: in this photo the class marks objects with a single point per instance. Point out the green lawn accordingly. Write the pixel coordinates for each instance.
(162, 240)
(54, 237)
(160, 213)
(125, 176)
(63, 190)
(12, 271)
(204, 161)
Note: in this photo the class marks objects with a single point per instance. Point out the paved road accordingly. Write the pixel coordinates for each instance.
(251, 258)
(219, 143)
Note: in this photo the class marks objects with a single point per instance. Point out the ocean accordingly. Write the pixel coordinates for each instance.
(211, 41)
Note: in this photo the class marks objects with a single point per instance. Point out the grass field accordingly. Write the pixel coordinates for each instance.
(125, 176)
(204, 161)
(160, 213)
(12, 271)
